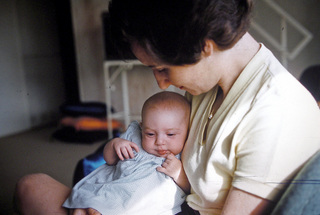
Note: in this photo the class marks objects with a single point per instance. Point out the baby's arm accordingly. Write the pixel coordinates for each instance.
(172, 167)
(118, 148)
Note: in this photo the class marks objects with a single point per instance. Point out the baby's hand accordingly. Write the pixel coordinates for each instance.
(171, 166)
(124, 149)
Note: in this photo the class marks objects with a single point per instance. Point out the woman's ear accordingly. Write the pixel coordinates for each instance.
(210, 47)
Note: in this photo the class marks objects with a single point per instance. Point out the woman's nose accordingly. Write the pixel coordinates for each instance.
(162, 80)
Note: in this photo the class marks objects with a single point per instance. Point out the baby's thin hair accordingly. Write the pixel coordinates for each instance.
(167, 99)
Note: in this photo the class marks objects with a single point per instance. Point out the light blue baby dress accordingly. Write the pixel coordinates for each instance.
(133, 186)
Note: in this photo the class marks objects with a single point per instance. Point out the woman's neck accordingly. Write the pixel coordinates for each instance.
(239, 56)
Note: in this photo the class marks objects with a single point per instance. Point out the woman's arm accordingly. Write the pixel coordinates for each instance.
(118, 148)
(240, 202)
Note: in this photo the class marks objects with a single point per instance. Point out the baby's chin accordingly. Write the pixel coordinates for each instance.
(161, 153)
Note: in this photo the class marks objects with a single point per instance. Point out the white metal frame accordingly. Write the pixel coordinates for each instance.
(122, 67)
(282, 45)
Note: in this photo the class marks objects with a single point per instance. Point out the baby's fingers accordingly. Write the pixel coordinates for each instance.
(134, 146)
(125, 152)
(130, 150)
(119, 153)
(170, 157)
(161, 169)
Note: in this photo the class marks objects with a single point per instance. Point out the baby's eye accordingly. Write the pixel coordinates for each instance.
(171, 135)
(150, 134)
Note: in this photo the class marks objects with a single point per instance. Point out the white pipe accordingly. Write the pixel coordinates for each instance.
(108, 99)
(282, 46)
(122, 68)
(294, 23)
(265, 34)
(288, 17)
(125, 97)
(299, 47)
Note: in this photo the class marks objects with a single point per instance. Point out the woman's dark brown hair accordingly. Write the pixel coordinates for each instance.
(175, 31)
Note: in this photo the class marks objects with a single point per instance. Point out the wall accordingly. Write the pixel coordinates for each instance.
(14, 107)
(31, 81)
(87, 26)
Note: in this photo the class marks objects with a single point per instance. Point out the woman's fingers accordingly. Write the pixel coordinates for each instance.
(79, 212)
(87, 211)
(92, 211)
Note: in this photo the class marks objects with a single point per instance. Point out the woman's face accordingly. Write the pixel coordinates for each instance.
(197, 78)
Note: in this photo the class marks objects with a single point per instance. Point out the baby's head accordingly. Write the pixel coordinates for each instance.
(165, 121)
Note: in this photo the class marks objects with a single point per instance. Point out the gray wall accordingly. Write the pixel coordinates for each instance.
(31, 83)
(305, 12)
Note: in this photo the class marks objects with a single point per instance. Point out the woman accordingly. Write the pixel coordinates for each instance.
(252, 124)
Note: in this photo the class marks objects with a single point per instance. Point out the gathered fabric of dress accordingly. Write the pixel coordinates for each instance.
(264, 131)
(132, 186)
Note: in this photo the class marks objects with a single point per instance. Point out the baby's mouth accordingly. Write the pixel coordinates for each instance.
(162, 152)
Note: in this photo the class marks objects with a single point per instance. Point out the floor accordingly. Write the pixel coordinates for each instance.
(36, 151)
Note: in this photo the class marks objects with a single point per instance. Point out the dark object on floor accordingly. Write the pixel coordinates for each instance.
(93, 109)
(71, 135)
(85, 123)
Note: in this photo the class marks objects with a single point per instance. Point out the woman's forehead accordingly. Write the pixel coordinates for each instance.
(146, 56)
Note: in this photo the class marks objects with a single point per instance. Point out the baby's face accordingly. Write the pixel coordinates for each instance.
(164, 131)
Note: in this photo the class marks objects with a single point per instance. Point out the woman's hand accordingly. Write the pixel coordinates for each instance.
(87, 211)
(172, 167)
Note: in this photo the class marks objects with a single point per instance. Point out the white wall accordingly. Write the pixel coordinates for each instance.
(31, 83)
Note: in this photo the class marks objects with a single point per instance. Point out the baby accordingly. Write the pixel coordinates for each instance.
(142, 175)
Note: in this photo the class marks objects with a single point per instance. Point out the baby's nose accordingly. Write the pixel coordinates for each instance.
(159, 141)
